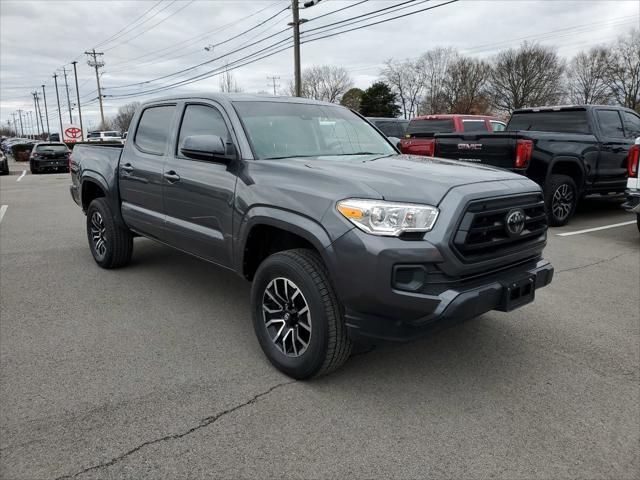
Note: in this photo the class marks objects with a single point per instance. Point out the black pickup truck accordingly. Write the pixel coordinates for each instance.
(344, 238)
(570, 151)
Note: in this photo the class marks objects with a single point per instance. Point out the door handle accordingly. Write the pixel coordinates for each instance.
(171, 176)
(127, 168)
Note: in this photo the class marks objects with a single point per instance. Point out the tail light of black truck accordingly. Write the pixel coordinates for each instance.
(632, 161)
(524, 149)
(483, 232)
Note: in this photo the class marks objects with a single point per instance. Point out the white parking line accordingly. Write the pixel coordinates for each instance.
(595, 229)
(24, 172)
(3, 209)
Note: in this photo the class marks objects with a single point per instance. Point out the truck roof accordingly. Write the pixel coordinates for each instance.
(567, 107)
(238, 97)
(453, 115)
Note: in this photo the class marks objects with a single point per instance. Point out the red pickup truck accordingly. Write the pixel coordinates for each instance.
(419, 139)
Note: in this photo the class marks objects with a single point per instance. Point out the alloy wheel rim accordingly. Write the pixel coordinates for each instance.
(98, 234)
(562, 201)
(286, 316)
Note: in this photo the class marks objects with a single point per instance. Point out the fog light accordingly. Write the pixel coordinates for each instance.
(410, 278)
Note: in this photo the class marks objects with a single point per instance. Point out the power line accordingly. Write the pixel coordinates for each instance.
(115, 35)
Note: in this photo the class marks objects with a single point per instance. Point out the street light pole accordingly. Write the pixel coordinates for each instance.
(39, 112)
(46, 111)
(55, 79)
(35, 107)
(21, 126)
(75, 74)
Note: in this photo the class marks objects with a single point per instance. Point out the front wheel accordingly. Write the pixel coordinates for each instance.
(296, 315)
(111, 245)
(561, 199)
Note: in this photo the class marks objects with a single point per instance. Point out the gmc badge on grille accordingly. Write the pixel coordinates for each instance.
(469, 146)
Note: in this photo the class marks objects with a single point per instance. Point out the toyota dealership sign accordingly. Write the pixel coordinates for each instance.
(72, 133)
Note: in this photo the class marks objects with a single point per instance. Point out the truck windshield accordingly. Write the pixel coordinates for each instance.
(282, 130)
(563, 121)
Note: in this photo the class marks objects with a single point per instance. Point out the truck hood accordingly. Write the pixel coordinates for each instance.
(405, 178)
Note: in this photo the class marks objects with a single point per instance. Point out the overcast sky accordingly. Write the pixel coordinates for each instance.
(38, 38)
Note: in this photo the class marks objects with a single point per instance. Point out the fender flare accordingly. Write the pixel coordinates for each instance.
(287, 220)
(109, 193)
(567, 159)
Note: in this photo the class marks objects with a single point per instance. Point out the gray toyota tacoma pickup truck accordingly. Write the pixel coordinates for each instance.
(344, 239)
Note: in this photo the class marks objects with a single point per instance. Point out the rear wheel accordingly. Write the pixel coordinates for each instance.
(296, 315)
(111, 245)
(561, 199)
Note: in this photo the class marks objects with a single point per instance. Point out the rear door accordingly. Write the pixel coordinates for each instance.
(198, 194)
(612, 162)
(141, 170)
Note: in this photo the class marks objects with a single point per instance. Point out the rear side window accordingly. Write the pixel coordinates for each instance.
(153, 129)
(473, 126)
(497, 126)
(202, 120)
(610, 123)
(93, 135)
(564, 121)
(428, 127)
(632, 124)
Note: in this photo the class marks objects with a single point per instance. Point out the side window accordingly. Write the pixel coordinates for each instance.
(153, 129)
(632, 125)
(202, 120)
(474, 126)
(610, 123)
(497, 126)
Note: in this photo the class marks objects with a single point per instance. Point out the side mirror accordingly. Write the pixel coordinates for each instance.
(204, 147)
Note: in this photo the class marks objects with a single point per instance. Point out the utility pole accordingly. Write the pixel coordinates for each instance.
(94, 62)
(55, 79)
(297, 21)
(273, 79)
(39, 111)
(21, 127)
(29, 124)
(46, 111)
(15, 123)
(75, 74)
(35, 107)
(66, 86)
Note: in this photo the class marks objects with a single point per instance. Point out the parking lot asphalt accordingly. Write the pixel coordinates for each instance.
(153, 371)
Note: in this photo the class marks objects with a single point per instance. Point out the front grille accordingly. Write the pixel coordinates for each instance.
(483, 234)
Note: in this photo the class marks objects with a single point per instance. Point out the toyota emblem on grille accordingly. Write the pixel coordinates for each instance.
(514, 222)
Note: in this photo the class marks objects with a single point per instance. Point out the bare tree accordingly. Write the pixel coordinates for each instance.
(587, 77)
(527, 77)
(123, 118)
(228, 83)
(464, 90)
(407, 80)
(624, 71)
(435, 64)
(323, 82)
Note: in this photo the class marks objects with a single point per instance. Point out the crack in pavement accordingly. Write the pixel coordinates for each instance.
(203, 423)
(594, 263)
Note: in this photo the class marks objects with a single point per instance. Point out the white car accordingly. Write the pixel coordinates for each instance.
(633, 182)
(104, 136)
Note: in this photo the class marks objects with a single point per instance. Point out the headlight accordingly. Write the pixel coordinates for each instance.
(385, 218)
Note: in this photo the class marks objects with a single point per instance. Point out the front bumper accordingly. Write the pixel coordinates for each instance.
(453, 305)
(632, 204)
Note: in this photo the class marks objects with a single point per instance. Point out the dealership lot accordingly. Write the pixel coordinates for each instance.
(154, 370)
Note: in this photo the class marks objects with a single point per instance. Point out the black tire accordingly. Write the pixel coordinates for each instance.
(561, 199)
(33, 170)
(328, 344)
(117, 246)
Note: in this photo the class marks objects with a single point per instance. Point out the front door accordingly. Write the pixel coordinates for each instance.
(198, 194)
(141, 171)
(612, 162)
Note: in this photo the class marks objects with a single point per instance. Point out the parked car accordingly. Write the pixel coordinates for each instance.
(633, 182)
(4, 164)
(343, 238)
(49, 156)
(104, 136)
(54, 137)
(419, 137)
(571, 151)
